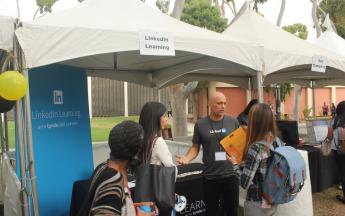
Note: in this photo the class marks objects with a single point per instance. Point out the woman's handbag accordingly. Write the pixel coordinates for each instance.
(326, 147)
(326, 144)
(155, 183)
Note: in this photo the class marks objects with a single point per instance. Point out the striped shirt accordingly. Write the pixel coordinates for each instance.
(106, 195)
(253, 172)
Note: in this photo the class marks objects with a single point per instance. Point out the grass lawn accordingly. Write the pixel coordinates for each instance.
(100, 128)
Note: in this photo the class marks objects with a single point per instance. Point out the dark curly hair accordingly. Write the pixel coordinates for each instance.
(125, 141)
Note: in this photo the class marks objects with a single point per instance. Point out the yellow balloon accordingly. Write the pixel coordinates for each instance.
(13, 85)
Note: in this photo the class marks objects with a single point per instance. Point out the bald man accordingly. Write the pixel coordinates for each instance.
(220, 181)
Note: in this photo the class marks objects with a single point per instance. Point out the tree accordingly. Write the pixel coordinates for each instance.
(45, 5)
(336, 11)
(163, 5)
(298, 29)
(256, 4)
(201, 13)
(281, 12)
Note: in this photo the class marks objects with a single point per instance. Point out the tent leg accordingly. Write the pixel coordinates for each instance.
(155, 94)
(7, 146)
(30, 147)
(259, 86)
(23, 195)
(20, 132)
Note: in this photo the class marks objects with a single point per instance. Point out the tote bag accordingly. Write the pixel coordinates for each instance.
(155, 183)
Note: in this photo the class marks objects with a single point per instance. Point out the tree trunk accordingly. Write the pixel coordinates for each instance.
(178, 106)
(178, 9)
(281, 13)
(178, 93)
(278, 91)
(297, 102)
(195, 106)
(315, 20)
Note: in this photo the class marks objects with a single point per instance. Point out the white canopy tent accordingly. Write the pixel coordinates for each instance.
(106, 44)
(7, 32)
(331, 41)
(286, 58)
(6, 39)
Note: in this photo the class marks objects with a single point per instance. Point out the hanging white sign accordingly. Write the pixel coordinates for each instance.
(156, 43)
(319, 64)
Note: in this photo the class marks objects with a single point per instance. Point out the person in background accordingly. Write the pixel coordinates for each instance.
(108, 193)
(261, 133)
(243, 116)
(333, 110)
(154, 118)
(339, 121)
(325, 109)
(220, 181)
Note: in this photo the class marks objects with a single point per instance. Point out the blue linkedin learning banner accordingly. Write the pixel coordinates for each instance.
(61, 134)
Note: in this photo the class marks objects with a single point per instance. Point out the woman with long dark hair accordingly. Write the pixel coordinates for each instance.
(261, 133)
(243, 116)
(339, 121)
(153, 118)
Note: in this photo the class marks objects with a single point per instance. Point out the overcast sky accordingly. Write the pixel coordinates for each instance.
(295, 10)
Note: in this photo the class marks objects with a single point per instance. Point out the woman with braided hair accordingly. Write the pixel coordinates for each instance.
(108, 193)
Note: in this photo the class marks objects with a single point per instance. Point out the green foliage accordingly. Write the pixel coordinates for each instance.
(163, 5)
(285, 89)
(306, 112)
(201, 85)
(45, 5)
(201, 13)
(336, 11)
(298, 29)
(256, 4)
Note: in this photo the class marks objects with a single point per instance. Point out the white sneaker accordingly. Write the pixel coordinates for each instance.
(340, 187)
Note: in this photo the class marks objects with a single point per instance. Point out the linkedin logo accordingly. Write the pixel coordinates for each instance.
(58, 96)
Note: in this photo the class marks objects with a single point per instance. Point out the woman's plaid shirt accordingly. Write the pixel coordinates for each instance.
(254, 169)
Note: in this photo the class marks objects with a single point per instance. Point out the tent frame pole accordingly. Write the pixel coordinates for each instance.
(30, 149)
(259, 86)
(23, 195)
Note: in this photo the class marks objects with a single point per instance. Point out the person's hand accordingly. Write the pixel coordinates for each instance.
(141, 213)
(182, 160)
(232, 159)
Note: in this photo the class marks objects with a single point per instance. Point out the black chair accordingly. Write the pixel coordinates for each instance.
(79, 192)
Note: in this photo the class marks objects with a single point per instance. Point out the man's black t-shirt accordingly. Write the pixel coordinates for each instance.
(209, 133)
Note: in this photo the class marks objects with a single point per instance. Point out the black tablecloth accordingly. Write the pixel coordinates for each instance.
(323, 169)
(190, 184)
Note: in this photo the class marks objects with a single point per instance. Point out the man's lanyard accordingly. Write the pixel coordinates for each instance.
(220, 137)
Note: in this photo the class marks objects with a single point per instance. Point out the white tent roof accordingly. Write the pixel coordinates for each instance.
(102, 36)
(6, 32)
(287, 58)
(331, 41)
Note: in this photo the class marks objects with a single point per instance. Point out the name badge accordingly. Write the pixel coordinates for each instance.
(220, 156)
